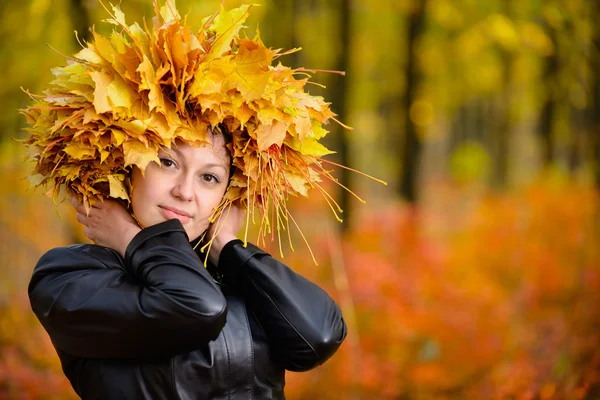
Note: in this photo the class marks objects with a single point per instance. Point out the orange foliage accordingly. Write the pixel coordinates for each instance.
(504, 304)
(29, 367)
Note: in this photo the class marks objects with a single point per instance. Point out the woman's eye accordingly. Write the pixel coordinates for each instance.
(166, 162)
(210, 178)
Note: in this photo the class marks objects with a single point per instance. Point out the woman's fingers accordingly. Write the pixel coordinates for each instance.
(77, 206)
(87, 232)
(82, 218)
(81, 209)
(101, 204)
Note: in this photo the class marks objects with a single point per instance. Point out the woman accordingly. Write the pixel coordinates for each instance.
(137, 316)
(141, 117)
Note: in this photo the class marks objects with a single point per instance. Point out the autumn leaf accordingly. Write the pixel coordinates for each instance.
(78, 152)
(139, 155)
(226, 26)
(169, 12)
(251, 74)
(117, 188)
(270, 134)
(102, 81)
(297, 183)
(35, 180)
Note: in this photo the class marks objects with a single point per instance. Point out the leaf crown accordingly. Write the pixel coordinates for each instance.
(125, 96)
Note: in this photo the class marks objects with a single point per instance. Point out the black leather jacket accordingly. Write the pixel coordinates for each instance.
(156, 325)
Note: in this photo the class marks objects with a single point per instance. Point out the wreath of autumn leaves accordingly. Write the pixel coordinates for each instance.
(123, 97)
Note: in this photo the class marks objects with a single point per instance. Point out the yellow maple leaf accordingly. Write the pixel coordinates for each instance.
(79, 152)
(90, 55)
(120, 93)
(102, 81)
(117, 187)
(251, 72)
(136, 153)
(35, 180)
(268, 135)
(169, 12)
(297, 182)
(226, 26)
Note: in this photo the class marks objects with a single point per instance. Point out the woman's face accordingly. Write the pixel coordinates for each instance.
(187, 185)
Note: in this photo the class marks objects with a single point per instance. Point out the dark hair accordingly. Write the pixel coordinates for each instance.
(228, 138)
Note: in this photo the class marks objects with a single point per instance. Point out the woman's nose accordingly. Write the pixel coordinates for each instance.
(183, 188)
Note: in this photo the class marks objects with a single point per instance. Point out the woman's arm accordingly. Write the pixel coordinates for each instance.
(162, 301)
(303, 323)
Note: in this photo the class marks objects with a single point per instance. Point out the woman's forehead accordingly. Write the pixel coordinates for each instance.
(213, 152)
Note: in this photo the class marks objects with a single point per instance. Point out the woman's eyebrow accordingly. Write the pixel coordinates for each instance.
(174, 149)
(207, 165)
(210, 165)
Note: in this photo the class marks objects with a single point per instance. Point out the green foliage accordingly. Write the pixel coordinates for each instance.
(470, 163)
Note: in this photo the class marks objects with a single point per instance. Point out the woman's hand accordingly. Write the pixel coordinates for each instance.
(226, 227)
(108, 224)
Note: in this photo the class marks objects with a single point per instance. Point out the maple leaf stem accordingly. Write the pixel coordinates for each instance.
(343, 125)
(71, 118)
(279, 231)
(79, 40)
(313, 183)
(289, 231)
(287, 52)
(65, 56)
(212, 18)
(351, 169)
(234, 24)
(247, 213)
(272, 217)
(27, 92)
(282, 212)
(53, 108)
(200, 241)
(170, 9)
(317, 84)
(323, 192)
(329, 71)
(218, 230)
(328, 175)
(253, 204)
(125, 27)
(58, 162)
(303, 237)
(246, 145)
(327, 197)
(53, 143)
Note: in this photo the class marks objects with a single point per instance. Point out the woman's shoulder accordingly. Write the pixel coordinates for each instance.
(80, 255)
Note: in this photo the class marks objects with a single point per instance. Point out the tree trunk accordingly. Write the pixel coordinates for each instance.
(81, 21)
(550, 78)
(501, 138)
(502, 135)
(339, 90)
(411, 151)
(594, 126)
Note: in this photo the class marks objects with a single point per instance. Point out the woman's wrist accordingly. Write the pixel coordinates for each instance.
(217, 245)
(130, 233)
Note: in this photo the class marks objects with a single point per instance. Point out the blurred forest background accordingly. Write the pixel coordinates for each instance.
(474, 274)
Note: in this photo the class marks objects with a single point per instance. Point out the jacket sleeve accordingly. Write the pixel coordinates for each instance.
(303, 324)
(160, 302)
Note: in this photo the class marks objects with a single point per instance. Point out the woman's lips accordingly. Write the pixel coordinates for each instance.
(171, 213)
